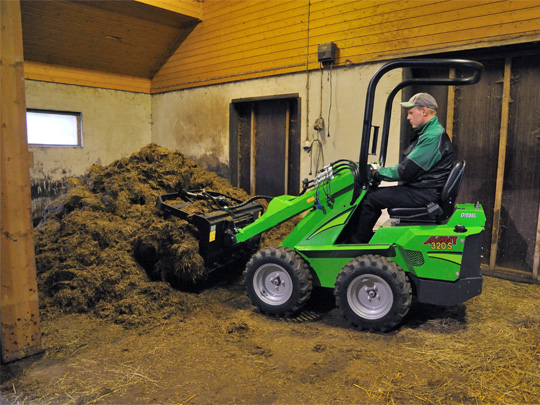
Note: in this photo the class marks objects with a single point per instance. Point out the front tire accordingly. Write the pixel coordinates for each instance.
(373, 293)
(278, 281)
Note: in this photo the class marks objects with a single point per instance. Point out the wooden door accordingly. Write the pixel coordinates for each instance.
(521, 187)
(265, 146)
(496, 129)
(476, 127)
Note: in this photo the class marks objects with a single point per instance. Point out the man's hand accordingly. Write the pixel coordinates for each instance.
(374, 167)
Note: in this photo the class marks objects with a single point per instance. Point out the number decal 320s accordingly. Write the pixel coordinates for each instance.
(441, 242)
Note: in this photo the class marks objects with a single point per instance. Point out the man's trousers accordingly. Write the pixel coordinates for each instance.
(369, 211)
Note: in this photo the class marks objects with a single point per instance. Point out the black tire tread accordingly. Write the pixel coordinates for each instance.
(404, 297)
(301, 272)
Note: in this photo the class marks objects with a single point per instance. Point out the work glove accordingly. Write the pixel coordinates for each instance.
(374, 168)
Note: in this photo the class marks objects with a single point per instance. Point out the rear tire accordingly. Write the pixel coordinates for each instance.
(278, 281)
(373, 293)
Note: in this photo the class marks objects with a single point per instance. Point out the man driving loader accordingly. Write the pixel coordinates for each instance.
(422, 173)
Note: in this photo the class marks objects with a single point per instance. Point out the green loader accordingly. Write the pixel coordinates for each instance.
(432, 253)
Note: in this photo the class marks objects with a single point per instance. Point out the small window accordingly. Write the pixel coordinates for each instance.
(54, 128)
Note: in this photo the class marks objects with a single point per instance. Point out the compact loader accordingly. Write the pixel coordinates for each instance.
(432, 252)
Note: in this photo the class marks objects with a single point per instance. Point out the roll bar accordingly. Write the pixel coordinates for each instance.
(473, 67)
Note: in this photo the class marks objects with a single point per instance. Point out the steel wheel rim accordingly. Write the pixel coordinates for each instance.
(273, 284)
(370, 296)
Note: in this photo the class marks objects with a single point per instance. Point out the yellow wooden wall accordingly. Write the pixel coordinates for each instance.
(192, 8)
(244, 39)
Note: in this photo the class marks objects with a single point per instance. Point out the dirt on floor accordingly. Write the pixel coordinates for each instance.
(485, 351)
(118, 330)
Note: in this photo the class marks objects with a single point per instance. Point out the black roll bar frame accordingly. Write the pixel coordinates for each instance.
(476, 68)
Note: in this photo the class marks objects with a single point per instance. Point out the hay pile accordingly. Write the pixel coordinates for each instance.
(102, 243)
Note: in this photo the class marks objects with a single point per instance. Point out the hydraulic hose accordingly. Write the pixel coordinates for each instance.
(256, 197)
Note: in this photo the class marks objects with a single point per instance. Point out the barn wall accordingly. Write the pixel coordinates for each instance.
(115, 124)
(193, 8)
(246, 39)
(196, 121)
(240, 39)
(248, 49)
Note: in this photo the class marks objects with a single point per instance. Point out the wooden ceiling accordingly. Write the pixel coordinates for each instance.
(124, 37)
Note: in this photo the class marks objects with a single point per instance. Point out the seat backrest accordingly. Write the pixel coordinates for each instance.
(450, 190)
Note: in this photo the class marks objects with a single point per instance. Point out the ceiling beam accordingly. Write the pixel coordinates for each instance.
(191, 8)
(85, 77)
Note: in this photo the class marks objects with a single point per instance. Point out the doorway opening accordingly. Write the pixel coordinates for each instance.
(264, 154)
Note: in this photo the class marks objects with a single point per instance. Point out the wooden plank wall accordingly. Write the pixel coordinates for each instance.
(241, 39)
(192, 8)
(244, 39)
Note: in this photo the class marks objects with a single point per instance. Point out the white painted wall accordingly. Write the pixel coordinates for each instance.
(196, 121)
(115, 124)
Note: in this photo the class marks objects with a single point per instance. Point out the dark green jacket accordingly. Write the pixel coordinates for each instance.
(427, 161)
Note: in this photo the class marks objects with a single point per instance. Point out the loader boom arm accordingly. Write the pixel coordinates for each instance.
(334, 179)
(279, 210)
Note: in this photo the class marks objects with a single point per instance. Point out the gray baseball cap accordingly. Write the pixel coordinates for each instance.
(421, 100)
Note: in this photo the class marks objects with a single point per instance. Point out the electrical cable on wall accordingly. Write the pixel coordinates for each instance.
(307, 142)
(310, 142)
(319, 155)
(309, 145)
(330, 100)
(319, 125)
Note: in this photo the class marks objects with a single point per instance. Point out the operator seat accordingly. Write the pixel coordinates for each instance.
(435, 212)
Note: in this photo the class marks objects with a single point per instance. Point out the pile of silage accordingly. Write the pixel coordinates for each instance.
(102, 245)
